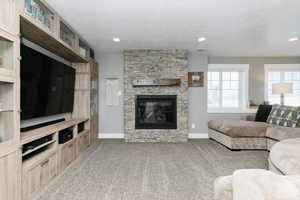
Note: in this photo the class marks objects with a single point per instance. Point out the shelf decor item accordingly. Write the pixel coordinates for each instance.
(67, 35)
(28, 6)
(39, 12)
(196, 79)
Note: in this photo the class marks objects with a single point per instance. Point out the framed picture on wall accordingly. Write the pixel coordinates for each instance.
(196, 79)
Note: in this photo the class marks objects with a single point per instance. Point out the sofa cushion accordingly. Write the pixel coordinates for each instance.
(285, 156)
(263, 113)
(239, 128)
(285, 116)
(260, 184)
(280, 133)
(223, 188)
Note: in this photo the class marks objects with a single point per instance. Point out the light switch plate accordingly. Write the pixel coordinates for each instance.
(193, 125)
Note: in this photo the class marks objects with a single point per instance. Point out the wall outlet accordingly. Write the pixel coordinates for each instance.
(193, 125)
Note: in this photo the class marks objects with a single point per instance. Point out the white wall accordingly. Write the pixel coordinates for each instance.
(198, 95)
(111, 117)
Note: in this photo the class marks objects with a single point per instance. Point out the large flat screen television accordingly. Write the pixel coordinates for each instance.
(47, 85)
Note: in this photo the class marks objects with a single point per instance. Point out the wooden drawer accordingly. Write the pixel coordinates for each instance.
(39, 175)
(67, 154)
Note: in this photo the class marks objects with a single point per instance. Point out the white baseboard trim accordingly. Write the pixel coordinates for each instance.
(121, 136)
(198, 136)
(111, 135)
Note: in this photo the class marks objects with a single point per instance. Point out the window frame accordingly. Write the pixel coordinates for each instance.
(243, 70)
(277, 68)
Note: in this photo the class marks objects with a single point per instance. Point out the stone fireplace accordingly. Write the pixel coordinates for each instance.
(155, 113)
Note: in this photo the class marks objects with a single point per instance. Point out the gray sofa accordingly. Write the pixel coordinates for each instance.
(252, 135)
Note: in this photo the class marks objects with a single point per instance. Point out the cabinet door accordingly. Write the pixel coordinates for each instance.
(31, 182)
(94, 128)
(38, 176)
(83, 142)
(10, 176)
(8, 16)
(45, 172)
(80, 144)
(68, 154)
(48, 169)
(53, 165)
(86, 140)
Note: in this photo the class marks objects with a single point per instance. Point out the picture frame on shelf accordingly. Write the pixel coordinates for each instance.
(196, 79)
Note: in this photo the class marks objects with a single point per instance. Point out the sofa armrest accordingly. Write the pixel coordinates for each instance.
(223, 188)
(280, 133)
(250, 118)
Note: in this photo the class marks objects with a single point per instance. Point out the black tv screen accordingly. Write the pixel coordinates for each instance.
(47, 85)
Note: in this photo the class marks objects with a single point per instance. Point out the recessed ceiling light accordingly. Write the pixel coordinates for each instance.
(293, 39)
(201, 39)
(116, 39)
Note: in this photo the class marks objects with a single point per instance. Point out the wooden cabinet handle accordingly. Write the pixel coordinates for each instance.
(44, 163)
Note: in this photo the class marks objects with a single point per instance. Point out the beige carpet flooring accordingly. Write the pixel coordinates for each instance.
(115, 170)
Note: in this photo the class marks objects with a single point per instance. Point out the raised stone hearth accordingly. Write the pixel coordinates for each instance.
(155, 64)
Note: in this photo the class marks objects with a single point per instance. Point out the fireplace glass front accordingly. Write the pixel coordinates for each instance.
(156, 112)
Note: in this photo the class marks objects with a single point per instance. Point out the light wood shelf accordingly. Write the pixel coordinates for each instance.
(35, 33)
(5, 110)
(32, 135)
(7, 79)
(39, 147)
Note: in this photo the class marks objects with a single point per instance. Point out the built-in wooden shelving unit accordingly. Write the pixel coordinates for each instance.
(30, 160)
(10, 155)
(34, 134)
(52, 155)
(36, 34)
(94, 99)
(52, 31)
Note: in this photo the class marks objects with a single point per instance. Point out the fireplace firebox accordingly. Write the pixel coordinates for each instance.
(156, 112)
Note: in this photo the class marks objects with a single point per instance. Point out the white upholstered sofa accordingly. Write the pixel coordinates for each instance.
(281, 182)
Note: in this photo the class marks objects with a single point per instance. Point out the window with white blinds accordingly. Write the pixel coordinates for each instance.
(227, 86)
(277, 73)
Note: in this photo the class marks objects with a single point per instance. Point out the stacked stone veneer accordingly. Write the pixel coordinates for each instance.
(161, 64)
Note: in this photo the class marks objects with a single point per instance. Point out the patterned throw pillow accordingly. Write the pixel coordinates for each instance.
(285, 116)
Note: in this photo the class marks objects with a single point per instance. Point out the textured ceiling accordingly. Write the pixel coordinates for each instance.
(232, 27)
